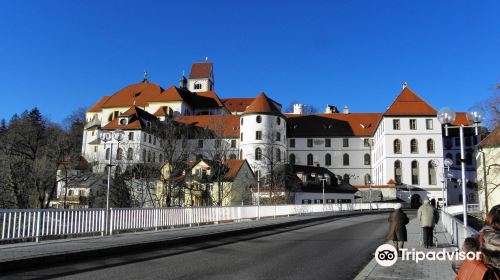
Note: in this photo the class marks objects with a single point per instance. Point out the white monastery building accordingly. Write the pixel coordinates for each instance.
(402, 147)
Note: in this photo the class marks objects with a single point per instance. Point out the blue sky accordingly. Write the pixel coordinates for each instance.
(62, 55)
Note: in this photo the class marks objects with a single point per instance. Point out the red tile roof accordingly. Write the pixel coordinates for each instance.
(205, 99)
(221, 125)
(461, 119)
(409, 104)
(136, 120)
(141, 93)
(98, 106)
(234, 166)
(169, 95)
(332, 125)
(493, 139)
(262, 104)
(201, 70)
(237, 104)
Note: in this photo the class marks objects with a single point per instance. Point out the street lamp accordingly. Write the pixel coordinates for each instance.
(108, 136)
(323, 179)
(446, 116)
(446, 176)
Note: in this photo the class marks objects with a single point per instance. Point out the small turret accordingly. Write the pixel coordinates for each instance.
(183, 81)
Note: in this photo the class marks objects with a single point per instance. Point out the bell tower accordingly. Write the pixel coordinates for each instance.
(201, 77)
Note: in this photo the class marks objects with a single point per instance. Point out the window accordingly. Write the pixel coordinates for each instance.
(310, 159)
(258, 135)
(278, 155)
(430, 146)
(346, 179)
(367, 179)
(278, 120)
(292, 143)
(145, 137)
(457, 159)
(367, 159)
(149, 156)
(149, 139)
(241, 136)
(450, 156)
(130, 154)
(447, 142)
(309, 143)
(258, 119)
(414, 172)
(144, 155)
(233, 143)
(197, 85)
(232, 156)
(292, 159)
(160, 159)
(200, 143)
(432, 173)
(130, 136)
(113, 115)
(107, 153)
(217, 143)
(258, 154)
(241, 121)
(345, 159)
(474, 140)
(278, 136)
(345, 142)
(328, 160)
(241, 153)
(429, 124)
(397, 146)
(398, 174)
(95, 149)
(413, 146)
(468, 158)
(413, 124)
(154, 140)
(154, 156)
(457, 141)
(328, 142)
(396, 124)
(366, 142)
(468, 141)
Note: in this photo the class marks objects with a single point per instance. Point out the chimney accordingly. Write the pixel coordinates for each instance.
(298, 109)
(405, 84)
(346, 110)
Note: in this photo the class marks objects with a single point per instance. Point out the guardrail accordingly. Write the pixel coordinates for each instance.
(33, 224)
(455, 227)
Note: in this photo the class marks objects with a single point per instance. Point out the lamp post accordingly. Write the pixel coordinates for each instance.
(106, 136)
(446, 164)
(446, 116)
(323, 179)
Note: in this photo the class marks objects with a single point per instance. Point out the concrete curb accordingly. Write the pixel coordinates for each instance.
(122, 249)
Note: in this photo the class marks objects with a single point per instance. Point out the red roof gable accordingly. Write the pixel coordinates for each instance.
(493, 139)
(409, 104)
(140, 93)
(461, 119)
(234, 166)
(98, 106)
(136, 118)
(201, 70)
(237, 104)
(262, 104)
(169, 95)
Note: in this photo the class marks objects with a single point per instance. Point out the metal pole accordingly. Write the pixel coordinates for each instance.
(107, 191)
(462, 161)
(258, 195)
(444, 185)
(483, 156)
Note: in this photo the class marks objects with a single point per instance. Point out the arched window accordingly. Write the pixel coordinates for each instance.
(258, 119)
(292, 159)
(432, 173)
(345, 159)
(468, 158)
(113, 115)
(328, 160)
(278, 136)
(430, 146)
(232, 156)
(310, 159)
(413, 146)
(278, 120)
(278, 155)
(119, 154)
(367, 179)
(398, 173)
(107, 153)
(397, 146)
(258, 154)
(414, 172)
(457, 159)
(367, 159)
(130, 154)
(197, 85)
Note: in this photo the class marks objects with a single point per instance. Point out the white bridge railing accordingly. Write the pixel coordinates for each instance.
(33, 224)
(454, 226)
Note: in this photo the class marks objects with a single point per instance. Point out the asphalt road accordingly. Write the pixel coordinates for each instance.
(336, 249)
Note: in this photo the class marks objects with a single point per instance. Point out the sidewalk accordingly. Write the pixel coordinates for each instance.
(14, 256)
(425, 269)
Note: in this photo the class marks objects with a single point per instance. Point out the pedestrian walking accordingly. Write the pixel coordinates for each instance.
(397, 230)
(428, 217)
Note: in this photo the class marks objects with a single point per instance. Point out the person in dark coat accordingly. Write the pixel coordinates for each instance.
(397, 231)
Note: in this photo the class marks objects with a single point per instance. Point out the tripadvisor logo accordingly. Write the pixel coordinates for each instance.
(386, 255)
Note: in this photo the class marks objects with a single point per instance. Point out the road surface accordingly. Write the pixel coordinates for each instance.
(336, 249)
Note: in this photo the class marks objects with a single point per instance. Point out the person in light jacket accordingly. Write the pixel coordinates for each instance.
(397, 231)
(428, 217)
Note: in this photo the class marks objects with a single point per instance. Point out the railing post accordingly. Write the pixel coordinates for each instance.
(38, 214)
(190, 216)
(103, 221)
(156, 218)
(111, 218)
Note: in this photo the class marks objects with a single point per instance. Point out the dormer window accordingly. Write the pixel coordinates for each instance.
(123, 121)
